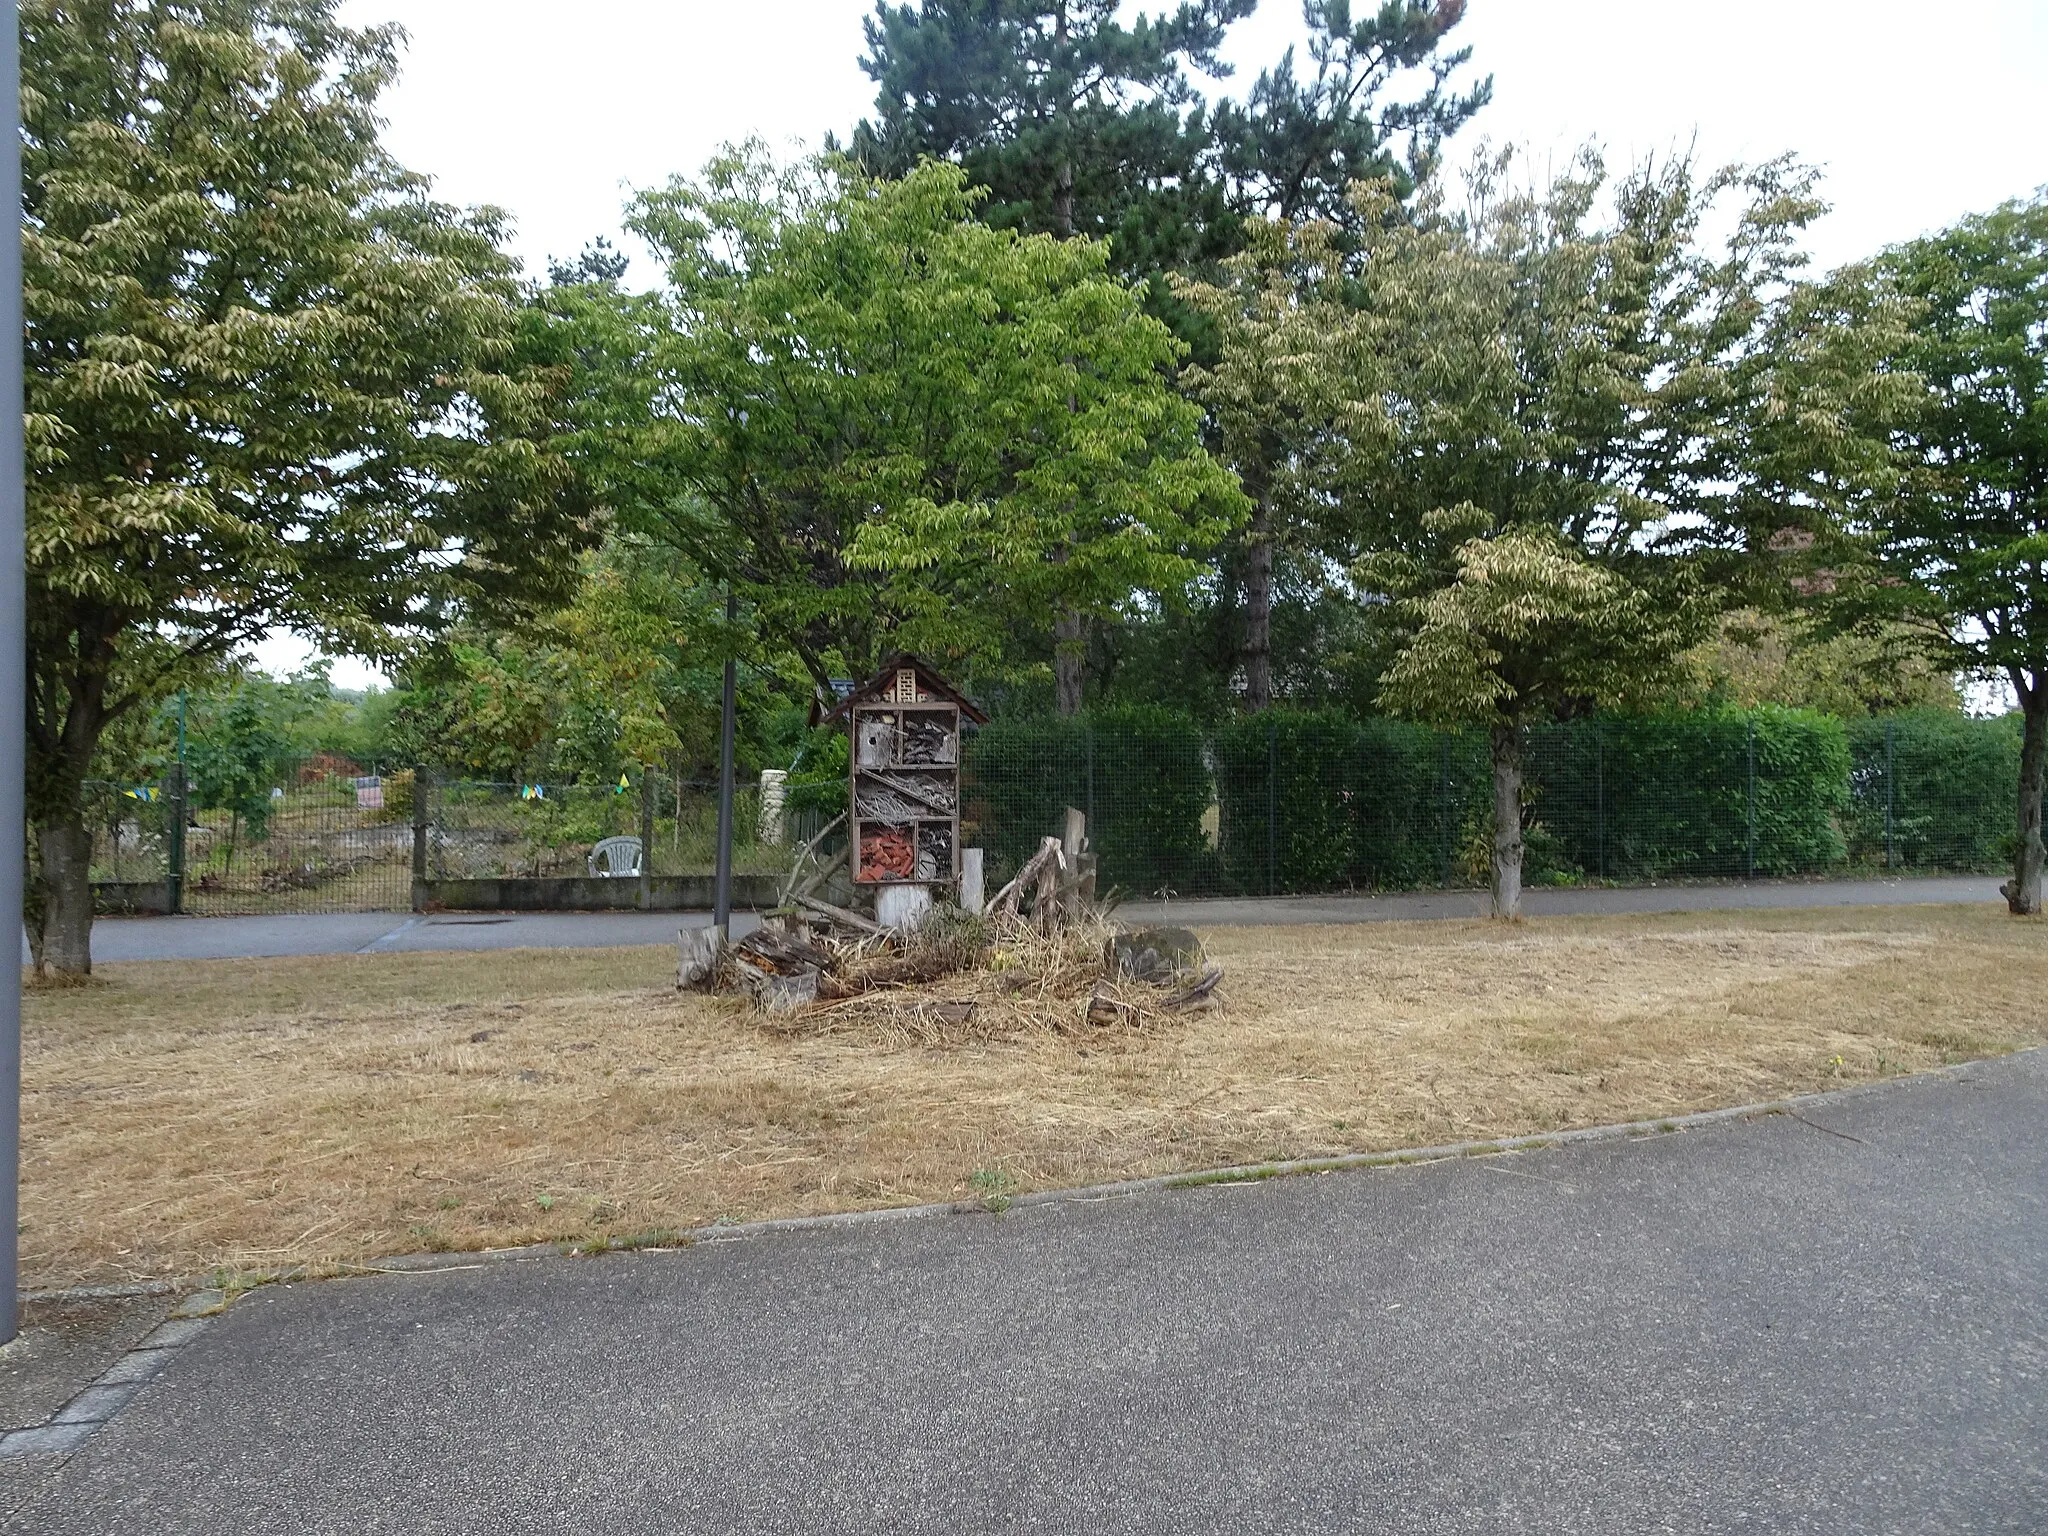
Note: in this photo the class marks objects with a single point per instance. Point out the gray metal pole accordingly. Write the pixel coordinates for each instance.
(721, 915)
(13, 670)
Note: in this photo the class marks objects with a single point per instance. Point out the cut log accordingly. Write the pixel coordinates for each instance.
(777, 991)
(1155, 954)
(775, 948)
(697, 952)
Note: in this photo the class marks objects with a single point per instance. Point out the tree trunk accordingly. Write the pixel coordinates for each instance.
(1507, 822)
(1069, 659)
(1258, 615)
(64, 942)
(2023, 893)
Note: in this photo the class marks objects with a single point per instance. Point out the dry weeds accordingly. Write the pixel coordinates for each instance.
(184, 1115)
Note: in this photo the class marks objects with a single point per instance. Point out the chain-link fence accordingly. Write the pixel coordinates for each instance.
(501, 830)
(1294, 803)
(1280, 803)
(322, 836)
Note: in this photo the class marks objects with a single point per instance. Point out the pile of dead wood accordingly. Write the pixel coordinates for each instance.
(957, 978)
(1041, 952)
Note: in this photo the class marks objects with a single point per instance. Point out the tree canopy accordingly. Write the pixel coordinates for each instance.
(271, 384)
(1082, 122)
(1574, 404)
(887, 425)
(1957, 542)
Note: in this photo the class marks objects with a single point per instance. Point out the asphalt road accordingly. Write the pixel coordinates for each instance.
(1833, 1323)
(342, 933)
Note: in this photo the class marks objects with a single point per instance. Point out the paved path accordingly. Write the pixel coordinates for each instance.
(1835, 1323)
(341, 933)
(1408, 906)
(370, 933)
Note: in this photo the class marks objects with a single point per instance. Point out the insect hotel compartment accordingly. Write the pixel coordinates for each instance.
(905, 778)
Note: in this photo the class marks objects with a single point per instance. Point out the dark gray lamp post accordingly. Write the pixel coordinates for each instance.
(13, 670)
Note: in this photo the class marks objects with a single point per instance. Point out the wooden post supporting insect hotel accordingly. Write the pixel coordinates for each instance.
(904, 787)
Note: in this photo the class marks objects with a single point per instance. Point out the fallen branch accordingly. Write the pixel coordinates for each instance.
(821, 874)
(1196, 994)
(1048, 853)
(840, 915)
(808, 849)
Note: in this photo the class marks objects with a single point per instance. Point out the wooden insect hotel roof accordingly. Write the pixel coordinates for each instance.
(883, 687)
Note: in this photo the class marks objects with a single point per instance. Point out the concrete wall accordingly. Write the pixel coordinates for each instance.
(584, 893)
(131, 898)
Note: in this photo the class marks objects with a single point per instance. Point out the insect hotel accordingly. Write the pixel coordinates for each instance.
(904, 789)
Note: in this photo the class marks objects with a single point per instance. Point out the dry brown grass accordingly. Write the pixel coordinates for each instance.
(253, 1113)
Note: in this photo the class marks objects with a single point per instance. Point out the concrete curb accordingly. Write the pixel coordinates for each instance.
(112, 1390)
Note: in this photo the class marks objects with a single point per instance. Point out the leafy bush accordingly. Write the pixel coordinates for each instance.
(816, 789)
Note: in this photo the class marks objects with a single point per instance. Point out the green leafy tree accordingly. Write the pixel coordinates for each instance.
(1959, 544)
(1586, 420)
(887, 425)
(235, 758)
(1080, 122)
(270, 383)
(1292, 401)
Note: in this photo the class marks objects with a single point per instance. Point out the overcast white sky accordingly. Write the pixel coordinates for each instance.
(1918, 113)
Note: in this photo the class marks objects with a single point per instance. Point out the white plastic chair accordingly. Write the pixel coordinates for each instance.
(614, 857)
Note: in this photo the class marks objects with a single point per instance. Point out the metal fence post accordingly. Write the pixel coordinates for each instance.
(1600, 796)
(1272, 806)
(1443, 808)
(647, 781)
(1088, 740)
(422, 786)
(1890, 763)
(13, 686)
(1751, 818)
(176, 814)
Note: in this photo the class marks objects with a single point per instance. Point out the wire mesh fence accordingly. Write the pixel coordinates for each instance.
(503, 830)
(1300, 803)
(319, 837)
(1274, 804)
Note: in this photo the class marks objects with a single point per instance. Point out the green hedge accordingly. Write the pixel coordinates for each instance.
(1379, 804)
(1664, 797)
(1321, 801)
(1949, 783)
(1139, 774)
(1317, 800)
